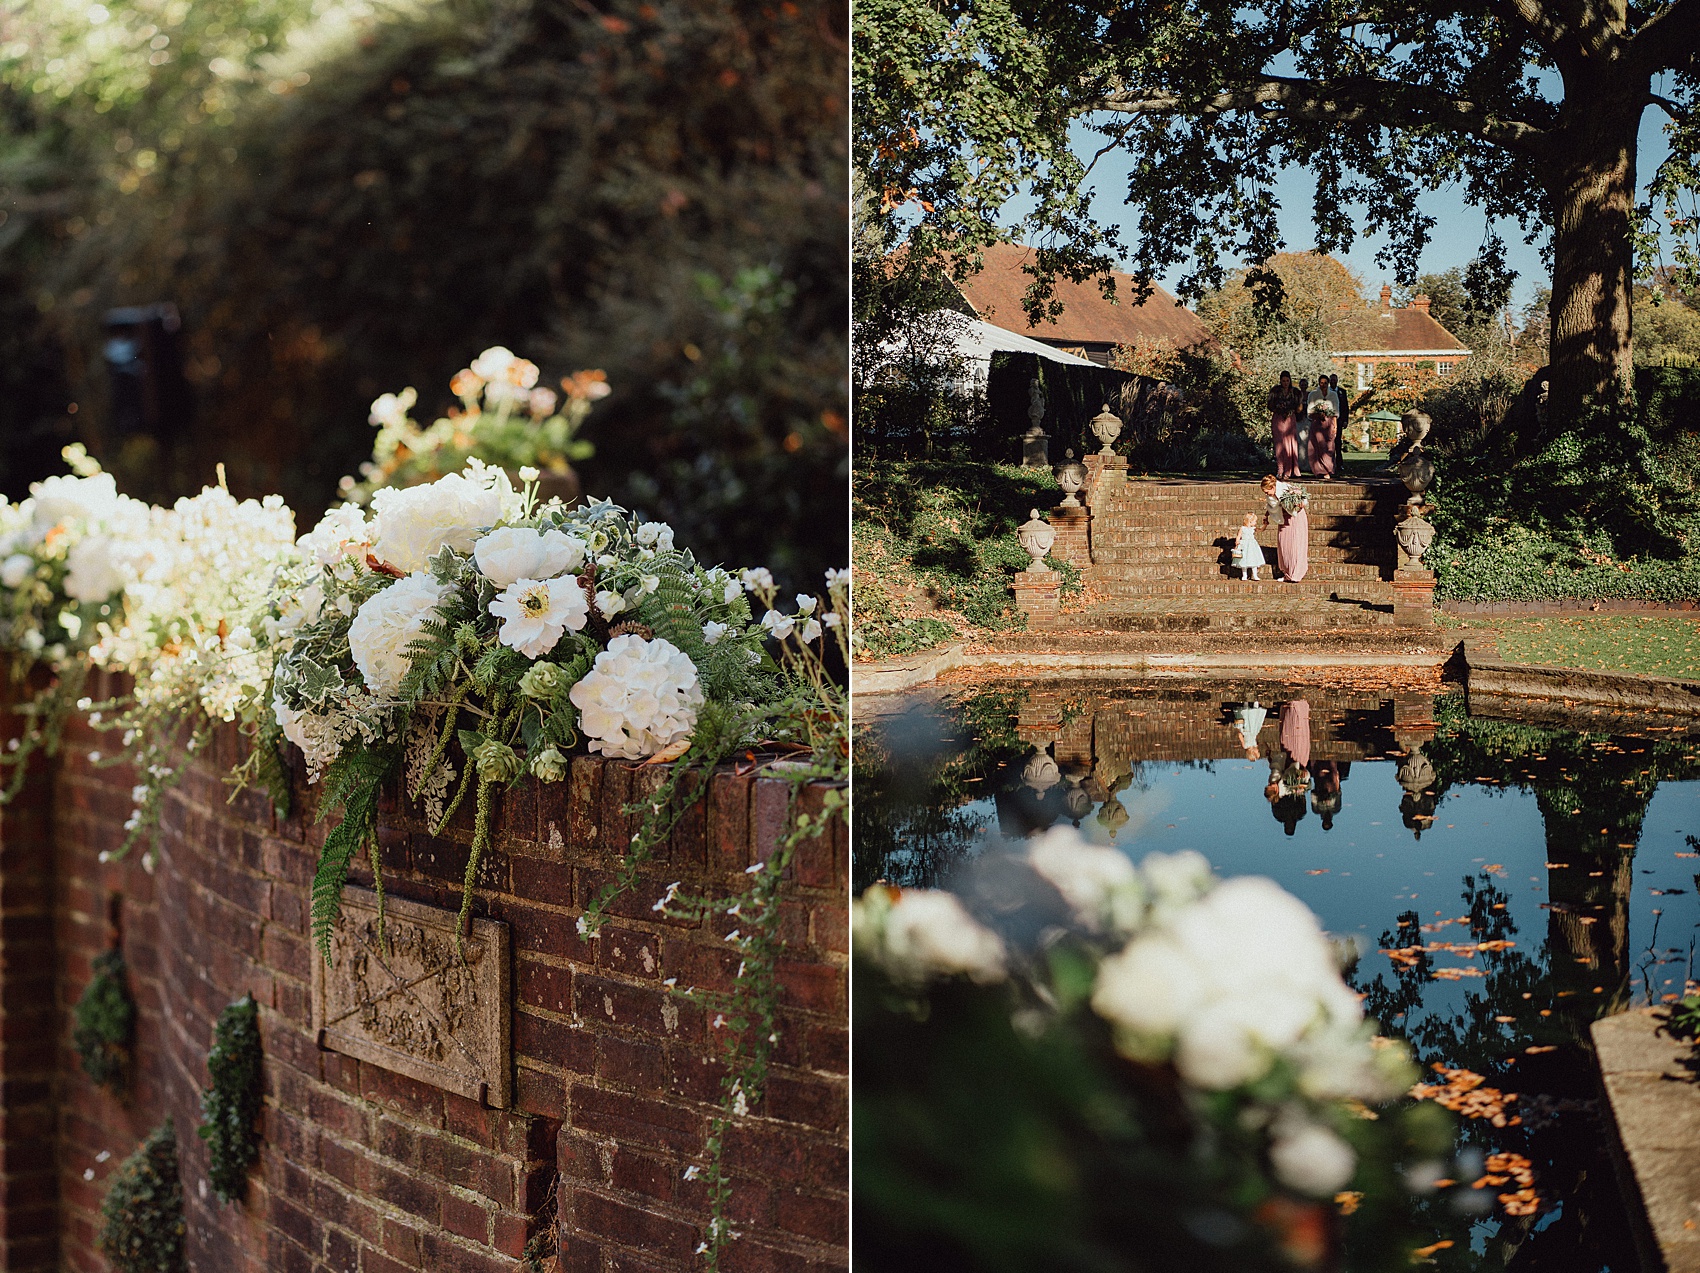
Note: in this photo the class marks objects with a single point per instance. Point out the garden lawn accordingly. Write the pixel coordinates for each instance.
(1649, 644)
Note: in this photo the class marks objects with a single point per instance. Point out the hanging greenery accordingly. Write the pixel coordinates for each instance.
(231, 1105)
(106, 1023)
(141, 1221)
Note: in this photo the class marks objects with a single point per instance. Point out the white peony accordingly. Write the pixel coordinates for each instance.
(535, 613)
(1151, 986)
(638, 698)
(1100, 884)
(16, 568)
(93, 572)
(929, 933)
(1312, 1160)
(512, 553)
(386, 624)
(414, 522)
(1217, 1046)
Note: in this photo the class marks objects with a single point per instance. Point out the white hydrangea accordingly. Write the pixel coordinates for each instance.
(511, 553)
(1228, 981)
(386, 624)
(638, 698)
(414, 522)
(922, 933)
(536, 612)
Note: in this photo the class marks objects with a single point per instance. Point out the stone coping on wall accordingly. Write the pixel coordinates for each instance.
(1655, 1105)
(614, 1079)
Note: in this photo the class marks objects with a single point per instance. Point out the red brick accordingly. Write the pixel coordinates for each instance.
(635, 1120)
(604, 1217)
(467, 1219)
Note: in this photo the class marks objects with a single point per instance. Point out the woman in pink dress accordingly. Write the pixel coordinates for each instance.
(1285, 403)
(1324, 432)
(1292, 528)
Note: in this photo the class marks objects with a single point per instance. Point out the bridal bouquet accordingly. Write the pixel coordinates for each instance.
(1293, 499)
(1102, 1059)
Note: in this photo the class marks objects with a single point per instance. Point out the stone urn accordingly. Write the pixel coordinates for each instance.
(1071, 476)
(1041, 772)
(1416, 471)
(1416, 773)
(1106, 426)
(1036, 536)
(1414, 535)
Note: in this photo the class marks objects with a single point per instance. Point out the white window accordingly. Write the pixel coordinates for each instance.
(1363, 376)
(1444, 368)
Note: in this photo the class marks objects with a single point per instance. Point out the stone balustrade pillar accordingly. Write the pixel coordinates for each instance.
(1036, 596)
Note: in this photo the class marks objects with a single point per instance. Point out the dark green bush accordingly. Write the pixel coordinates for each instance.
(232, 1104)
(105, 1023)
(141, 1220)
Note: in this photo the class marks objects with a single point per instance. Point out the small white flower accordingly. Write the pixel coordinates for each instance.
(712, 631)
(1312, 1159)
(778, 625)
(493, 363)
(609, 604)
(540, 403)
(511, 553)
(528, 473)
(655, 535)
(93, 573)
(811, 631)
(927, 933)
(648, 584)
(832, 619)
(535, 613)
(391, 408)
(692, 1172)
(834, 577)
(805, 603)
(731, 592)
(759, 577)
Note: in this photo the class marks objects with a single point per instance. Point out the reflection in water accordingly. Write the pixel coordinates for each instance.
(1491, 986)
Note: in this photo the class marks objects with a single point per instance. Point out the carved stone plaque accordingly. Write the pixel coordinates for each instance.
(415, 1007)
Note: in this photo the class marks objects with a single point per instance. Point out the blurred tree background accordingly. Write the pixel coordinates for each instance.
(342, 199)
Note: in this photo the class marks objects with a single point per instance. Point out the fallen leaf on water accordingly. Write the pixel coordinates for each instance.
(1324, 871)
(1424, 1251)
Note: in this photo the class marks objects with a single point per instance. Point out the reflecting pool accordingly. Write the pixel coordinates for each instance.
(1504, 883)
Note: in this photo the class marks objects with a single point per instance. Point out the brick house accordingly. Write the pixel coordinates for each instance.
(1386, 334)
(1090, 326)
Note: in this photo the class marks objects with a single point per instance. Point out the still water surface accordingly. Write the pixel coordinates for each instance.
(1407, 825)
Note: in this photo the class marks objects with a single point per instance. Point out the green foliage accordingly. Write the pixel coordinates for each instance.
(351, 783)
(141, 1220)
(105, 1017)
(950, 530)
(233, 1103)
(354, 197)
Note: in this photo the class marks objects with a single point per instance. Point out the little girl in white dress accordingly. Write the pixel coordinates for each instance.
(1248, 556)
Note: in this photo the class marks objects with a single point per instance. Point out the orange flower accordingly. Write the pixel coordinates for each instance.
(466, 383)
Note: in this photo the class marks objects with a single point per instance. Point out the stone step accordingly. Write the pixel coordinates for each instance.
(1170, 619)
(1229, 521)
(1375, 591)
(1132, 578)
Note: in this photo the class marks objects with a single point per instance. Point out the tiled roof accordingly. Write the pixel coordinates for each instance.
(1392, 331)
(995, 296)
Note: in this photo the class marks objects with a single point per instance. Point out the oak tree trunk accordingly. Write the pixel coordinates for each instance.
(1592, 185)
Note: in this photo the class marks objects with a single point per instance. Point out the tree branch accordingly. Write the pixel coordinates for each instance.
(1680, 114)
(1346, 102)
(1666, 37)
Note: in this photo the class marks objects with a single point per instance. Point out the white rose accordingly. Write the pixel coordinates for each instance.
(638, 697)
(1099, 884)
(929, 932)
(655, 535)
(16, 568)
(92, 573)
(1257, 933)
(609, 604)
(512, 553)
(535, 613)
(414, 522)
(1150, 986)
(1312, 1160)
(386, 624)
(1176, 878)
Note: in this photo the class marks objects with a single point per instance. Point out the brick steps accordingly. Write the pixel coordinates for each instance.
(1159, 558)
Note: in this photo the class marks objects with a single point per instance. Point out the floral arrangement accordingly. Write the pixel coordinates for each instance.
(505, 418)
(1153, 1035)
(1293, 499)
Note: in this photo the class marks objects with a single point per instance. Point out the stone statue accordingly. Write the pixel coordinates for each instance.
(1035, 443)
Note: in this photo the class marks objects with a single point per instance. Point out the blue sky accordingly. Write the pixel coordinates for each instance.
(1457, 234)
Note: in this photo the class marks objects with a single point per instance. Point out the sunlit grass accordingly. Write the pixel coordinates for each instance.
(1649, 644)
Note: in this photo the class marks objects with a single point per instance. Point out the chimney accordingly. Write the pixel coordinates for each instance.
(1420, 302)
(1386, 297)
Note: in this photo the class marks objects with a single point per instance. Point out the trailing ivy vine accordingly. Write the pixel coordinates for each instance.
(232, 1104)
(106, 1023)
(141, 1220)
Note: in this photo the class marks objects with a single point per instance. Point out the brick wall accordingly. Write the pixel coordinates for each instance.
(364, 1169)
